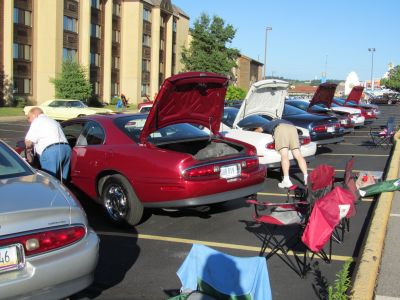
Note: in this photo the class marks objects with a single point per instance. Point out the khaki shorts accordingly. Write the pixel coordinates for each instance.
(286, 136)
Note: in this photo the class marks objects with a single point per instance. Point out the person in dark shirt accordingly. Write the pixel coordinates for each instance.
(286, 138)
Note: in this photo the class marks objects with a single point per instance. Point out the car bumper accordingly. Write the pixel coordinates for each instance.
(209, 199)
(54, 275)
(293, 162)
(348, 130)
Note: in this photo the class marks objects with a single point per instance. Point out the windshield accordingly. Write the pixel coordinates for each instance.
(11, 165)
(133, 125)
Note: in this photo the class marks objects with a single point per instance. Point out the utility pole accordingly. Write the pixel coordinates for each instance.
(265, 51)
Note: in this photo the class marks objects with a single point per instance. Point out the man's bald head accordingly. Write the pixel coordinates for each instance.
(33, 113)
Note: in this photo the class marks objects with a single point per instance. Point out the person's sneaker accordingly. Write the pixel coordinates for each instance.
(285, 184)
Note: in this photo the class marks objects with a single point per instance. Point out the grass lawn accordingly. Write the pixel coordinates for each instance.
(17, 111)
(11, 111)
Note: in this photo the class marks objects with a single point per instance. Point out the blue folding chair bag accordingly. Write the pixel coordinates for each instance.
(232, 276)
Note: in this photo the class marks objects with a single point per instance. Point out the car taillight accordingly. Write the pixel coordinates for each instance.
(213, 170)
(305, 140)
(319, 128)
(40, 242)
(270, 146)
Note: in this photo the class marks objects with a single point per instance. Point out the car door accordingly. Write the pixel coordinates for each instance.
(88, 155)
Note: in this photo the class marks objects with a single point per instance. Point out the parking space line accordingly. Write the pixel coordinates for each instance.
(9, 130)
(351, 154)
(285, 195)
(206, 243)
(395, 215)
(357, 136)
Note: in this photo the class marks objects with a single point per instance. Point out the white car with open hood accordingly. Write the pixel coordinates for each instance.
(265, 98)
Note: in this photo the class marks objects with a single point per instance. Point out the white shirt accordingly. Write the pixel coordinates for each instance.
(43, 132)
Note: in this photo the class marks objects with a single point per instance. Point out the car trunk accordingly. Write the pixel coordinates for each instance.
(205, 148)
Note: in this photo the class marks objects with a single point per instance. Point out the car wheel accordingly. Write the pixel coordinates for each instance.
(120, 201)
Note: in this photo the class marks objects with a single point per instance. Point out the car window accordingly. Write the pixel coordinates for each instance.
(76, 104)
(133, 125)
(252, 122)
(229, 115)
(291, 110)
(11, 165)
(54, 104)
(72, 132)
(92, 134)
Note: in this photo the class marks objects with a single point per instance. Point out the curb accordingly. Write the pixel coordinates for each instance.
(367, 268)
(12, 118)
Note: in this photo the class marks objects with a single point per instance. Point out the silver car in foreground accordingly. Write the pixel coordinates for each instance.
(47, 249)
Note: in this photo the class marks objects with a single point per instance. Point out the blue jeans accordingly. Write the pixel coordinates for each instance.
(56, 160)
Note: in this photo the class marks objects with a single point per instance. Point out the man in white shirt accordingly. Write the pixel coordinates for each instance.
(45, 135)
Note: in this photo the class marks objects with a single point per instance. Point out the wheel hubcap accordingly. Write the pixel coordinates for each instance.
(116, 202)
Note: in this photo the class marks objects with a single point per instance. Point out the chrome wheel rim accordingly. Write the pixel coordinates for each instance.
(116, 202)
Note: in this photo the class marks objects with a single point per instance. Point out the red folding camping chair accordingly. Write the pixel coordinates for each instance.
(305, 231)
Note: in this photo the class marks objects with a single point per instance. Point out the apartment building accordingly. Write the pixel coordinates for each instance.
(247, 72)
(126, 46)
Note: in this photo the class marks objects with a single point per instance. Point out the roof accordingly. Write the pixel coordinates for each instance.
(302, 89)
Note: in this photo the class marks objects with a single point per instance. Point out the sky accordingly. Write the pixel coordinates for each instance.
(311, 37)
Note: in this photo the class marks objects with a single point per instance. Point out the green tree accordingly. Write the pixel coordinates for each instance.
(72, 82)
(235, 93)
(393, 81)
(208, 51)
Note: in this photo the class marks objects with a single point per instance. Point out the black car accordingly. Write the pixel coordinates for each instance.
(343, 117)
(323, 129)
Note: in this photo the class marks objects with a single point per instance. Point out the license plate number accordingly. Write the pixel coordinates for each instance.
(330, 129)
(230, 171)
(11, 258)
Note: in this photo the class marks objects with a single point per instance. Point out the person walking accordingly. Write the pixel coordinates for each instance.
(46, 137)
(286, 138)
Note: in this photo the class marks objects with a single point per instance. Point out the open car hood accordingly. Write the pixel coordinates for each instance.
(193, 97)
(324, 94)
(265, 97)
(355, 94)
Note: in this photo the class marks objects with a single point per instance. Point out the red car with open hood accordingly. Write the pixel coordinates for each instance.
(128, 162)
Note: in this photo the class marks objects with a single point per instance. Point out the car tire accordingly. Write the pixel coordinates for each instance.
(120, 201)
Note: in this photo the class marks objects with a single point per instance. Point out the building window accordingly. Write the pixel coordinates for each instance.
(95, 31)
(96, 86)
(115, 62)
(22, 16)
(95, 59)
(145, 90)
(116, 9)
(146, 40)
(147, 14)
(96, 4)
(174, 24)
(22, 86)
(70, 24)
(69, 54)
(114, 88)
(116, 36)
(145, 65)
(22, 51)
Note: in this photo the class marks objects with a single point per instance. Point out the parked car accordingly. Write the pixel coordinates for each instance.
(323, 98)
(266, 98)
(343, 117)
(353, 100)
(47, 249)
(386, 98)
(64, 109)
(145, 108)
(162, 159)
(264, 142)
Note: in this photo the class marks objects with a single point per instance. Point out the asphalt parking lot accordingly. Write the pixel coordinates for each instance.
(141, 262)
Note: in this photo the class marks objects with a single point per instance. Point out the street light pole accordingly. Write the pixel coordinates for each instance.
(372, 50)
(265, 53)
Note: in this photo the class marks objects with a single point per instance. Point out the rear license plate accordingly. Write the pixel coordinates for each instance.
(11, 258)
(343, 122)
(230, 171)
(330, 129)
